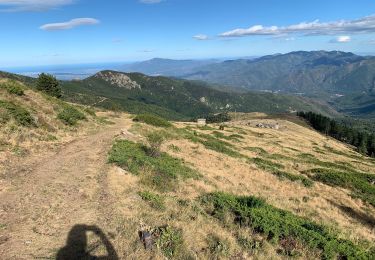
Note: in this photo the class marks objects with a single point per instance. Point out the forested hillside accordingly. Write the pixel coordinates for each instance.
(176, 99)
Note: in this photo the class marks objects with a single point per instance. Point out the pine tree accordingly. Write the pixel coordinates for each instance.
(49, 84)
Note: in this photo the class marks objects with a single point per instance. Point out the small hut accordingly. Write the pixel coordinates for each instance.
(201, 122)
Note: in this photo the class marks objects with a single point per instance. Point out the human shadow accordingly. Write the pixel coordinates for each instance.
(76, 247)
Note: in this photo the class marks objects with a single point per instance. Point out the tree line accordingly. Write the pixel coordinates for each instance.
(362, 140)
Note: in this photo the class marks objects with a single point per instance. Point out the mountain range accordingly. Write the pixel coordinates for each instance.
(331, 83)
(344, 80)
(176, 98)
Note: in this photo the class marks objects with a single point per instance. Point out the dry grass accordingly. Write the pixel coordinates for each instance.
(320, 203)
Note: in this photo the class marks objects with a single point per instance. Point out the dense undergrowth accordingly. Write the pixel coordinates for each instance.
(276, 224)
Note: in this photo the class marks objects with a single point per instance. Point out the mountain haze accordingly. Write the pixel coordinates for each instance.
(166, 67)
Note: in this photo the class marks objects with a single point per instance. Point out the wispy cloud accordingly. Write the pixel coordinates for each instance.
(117, 40)
(146, 50)
(361, 25)
(201, 37)
(70, 24)
(150, 1)
(341, 39)
(32, 5)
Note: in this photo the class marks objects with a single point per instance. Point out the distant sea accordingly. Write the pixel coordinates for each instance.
(65, 72)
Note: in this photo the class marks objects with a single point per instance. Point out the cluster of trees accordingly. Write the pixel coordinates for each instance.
(218, 118)
(364, 141)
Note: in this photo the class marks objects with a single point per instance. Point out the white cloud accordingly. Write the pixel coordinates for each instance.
(362, 25)
(341, 39)
(201, 37)
(150, 1)
(70, 24)
(32, 5)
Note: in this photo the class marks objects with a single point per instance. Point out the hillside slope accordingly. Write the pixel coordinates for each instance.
(71, 189)
(176, 99)
(31, 120)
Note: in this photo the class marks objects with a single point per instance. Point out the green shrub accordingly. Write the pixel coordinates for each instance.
(155, 140)
(257, 150)
(13, 87)
(277, 169)
(293, 177)
(277, 224)
(233, 137)
(221, 147)
(49, 84)
(10, 110)
(90, 111)
(152, 120)
(170, 242)
(69, 115)
(162, 173)
(156, 201)
(359, 183)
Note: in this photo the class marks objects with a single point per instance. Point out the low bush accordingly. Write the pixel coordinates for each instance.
(161, 173)
(276, 224)
(10, 110)
(155, 140)
(69, 115)
(233, 137)
(170, 242)
(152, 120)
(293, 177)
(156, 201)
(360, 183)
(221, 147)
(277, 169)
(257, 150)
(13, 87)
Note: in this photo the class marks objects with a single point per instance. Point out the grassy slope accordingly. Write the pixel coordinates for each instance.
(30, 119)
(226, 161)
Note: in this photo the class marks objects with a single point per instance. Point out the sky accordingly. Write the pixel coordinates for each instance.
(46, 32)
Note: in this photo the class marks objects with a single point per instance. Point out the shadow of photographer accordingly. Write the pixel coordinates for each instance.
(77, 248)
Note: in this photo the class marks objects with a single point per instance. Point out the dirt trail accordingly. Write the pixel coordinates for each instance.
(54, 191)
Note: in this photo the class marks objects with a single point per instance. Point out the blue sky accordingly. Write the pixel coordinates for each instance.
(43, 32)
